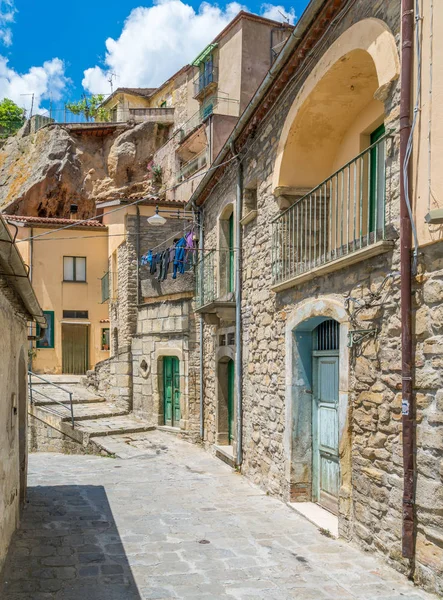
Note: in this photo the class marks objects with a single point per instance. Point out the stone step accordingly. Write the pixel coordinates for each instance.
(112, 426)
(45, 393)
(98, 410)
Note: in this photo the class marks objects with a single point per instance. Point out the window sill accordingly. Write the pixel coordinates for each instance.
(336, 265)
(72, 281)
(250, 216)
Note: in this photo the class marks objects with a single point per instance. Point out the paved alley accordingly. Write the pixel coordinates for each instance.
(169, 521)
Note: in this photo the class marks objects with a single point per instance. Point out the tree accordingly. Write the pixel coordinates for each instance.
(90, 107)
(12, 117)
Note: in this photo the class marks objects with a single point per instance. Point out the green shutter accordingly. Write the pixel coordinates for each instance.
(231, 390)
(376, 172)
(231, 253)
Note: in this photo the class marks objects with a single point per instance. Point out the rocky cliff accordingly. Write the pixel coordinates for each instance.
(42, 173)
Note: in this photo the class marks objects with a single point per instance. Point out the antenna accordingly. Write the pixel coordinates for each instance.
(32, 102)
(285, 17)
(109, 79)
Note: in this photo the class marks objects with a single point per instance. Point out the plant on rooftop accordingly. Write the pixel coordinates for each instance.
(91, 108)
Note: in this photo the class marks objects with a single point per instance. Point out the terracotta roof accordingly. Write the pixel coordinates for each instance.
(50, 222)
(145, 92)
(251, 17)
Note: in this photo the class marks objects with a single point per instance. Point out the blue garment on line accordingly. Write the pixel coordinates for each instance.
(179, 260)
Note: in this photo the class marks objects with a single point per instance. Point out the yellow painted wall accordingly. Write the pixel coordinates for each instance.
(228, 61)
(56, 295)
(427, 179)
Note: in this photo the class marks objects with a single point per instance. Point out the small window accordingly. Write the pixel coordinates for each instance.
(231, 338)
(47, 340)
(75, 314)
(105, 339)
(74, 268)
(222, 340)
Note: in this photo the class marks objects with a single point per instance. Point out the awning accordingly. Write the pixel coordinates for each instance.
(201, 57)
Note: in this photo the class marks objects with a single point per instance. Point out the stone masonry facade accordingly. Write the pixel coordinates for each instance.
(370, 498)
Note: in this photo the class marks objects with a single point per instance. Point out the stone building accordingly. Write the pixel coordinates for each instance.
(299, 287)
(18, 307)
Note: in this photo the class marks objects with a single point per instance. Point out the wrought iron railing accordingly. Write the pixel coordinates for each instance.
(33, 389)
(105, 287)
(204, 79)
(192, 166)
(215, 277)
(343, 214)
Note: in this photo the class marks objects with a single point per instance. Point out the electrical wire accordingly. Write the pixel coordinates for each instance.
(411, 138)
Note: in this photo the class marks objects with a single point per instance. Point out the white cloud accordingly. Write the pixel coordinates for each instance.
(7, 12)
(47, 81)
(278, 13)
(156, 41)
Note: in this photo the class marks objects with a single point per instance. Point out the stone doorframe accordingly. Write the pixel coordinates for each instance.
(224, 354)
(304, 318)
(157, 381)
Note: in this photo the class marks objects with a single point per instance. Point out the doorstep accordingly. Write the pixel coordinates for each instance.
(317, 515)
(169, 428)
(226, 454)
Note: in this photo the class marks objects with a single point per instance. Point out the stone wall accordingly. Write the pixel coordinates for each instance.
(167, 327)
(370, 503)
(13, 413)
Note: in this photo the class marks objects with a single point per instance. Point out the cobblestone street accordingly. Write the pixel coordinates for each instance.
(169, 521)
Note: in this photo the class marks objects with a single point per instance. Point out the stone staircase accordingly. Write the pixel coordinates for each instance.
(95, 418)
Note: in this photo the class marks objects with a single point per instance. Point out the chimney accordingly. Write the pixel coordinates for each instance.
(73, 210)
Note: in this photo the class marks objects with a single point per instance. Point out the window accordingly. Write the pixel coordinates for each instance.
(47, 340)
(75, 314)
(105, 339)
(74, 268)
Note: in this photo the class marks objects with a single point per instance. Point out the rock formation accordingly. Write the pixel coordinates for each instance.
(42, 173)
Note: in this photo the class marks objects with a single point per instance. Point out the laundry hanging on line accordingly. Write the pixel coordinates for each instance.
(181, 256)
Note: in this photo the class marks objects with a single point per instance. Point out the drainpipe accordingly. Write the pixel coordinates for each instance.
(31, 256)
(137, 246)
(238, 323)
(200, 266)
(408, 408)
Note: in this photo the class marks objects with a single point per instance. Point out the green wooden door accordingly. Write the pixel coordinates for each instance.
(75, 345)
(231, 254)
(377, 181)
(171, 390)
(231, 388)
(326, 465)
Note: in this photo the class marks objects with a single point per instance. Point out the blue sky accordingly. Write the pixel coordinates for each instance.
(61, 49)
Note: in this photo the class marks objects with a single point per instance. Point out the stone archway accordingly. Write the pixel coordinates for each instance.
(354, 75)
(304, 318)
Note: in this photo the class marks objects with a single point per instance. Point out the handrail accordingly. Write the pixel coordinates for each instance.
(34, 390)
(382, 138)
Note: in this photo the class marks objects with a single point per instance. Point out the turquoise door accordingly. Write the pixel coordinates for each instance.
(377, 181)
(231, 388)
(326, 465)
(171, 390)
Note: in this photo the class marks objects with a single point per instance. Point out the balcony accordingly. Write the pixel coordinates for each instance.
(205, 83)
(194, 165)
(338, 223)
(215, 297)
(163, 115)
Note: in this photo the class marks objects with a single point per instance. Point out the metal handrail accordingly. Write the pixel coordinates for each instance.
(387, 135)
(33, 390)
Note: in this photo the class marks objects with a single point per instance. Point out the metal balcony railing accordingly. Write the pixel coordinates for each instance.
(105, 287)
(192, 166)
(343, 214)
(215, 277)
(204, 79)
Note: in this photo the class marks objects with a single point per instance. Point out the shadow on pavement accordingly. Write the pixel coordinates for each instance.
(67, 547)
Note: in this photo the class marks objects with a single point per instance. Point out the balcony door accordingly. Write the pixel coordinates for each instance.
(377, 181)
